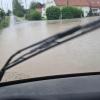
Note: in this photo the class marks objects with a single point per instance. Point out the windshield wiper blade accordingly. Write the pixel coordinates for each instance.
(48, 43)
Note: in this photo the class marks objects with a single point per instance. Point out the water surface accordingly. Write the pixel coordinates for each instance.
(79, 55)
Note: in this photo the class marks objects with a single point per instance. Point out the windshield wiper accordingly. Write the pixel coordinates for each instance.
(35, 49)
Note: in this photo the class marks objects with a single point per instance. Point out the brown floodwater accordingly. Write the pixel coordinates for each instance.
(79, 55)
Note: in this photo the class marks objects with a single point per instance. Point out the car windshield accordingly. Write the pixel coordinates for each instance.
(25, 22)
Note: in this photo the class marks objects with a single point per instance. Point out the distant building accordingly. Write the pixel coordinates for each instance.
(85, 5)
(47, 4)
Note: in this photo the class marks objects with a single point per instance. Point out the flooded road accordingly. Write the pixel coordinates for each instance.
(79, 55)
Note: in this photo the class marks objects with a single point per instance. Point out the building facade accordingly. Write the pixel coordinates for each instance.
(47, 4)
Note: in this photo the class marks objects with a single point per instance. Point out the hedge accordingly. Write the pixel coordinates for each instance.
(71, 12)
(53, 13)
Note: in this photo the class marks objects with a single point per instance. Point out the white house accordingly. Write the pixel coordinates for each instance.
(47, 4)
(85, 5)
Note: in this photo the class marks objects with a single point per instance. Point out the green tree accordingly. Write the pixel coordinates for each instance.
(18, 9)
(2, 14)
(33, 15)
(53, 13)
(35, 5)
(8, 13)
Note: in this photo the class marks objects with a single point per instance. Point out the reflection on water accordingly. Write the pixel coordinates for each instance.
(79, 55)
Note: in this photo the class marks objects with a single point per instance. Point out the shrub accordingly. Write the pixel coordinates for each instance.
(53, 13)
(5, 22)
(33, 15)
(66, 13)
(77, 13)
(2, 14)
(71, 12)
(18, 13)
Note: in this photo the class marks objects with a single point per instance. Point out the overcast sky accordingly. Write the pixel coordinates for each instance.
(7, 4)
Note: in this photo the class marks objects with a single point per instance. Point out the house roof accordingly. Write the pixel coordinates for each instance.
(89, 3)
(94, 3)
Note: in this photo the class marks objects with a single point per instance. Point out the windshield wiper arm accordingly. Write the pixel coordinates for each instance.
(48, 43)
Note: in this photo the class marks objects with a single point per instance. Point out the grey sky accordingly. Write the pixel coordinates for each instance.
(7, 4)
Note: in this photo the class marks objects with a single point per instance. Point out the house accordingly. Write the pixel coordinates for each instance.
(47, 4)
(85, 5)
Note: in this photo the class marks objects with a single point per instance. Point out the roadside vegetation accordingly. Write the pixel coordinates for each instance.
(4, 19)
(33, 15)
(33, 12)
(29, 14)
(18, 9)
(53, 13)
(71, 12)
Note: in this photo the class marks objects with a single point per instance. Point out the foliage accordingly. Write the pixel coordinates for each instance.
(66, 13)
(5, 22)
(53, 13)
(71, 12)
(33, 15)
(18, 9)
(2, 14)
(8, 13)
(34, 5)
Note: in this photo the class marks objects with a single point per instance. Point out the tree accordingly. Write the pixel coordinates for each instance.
(33, 15)
(53, 13)
(35, 5)
(18, 9)
(2, 14)
(8, 13)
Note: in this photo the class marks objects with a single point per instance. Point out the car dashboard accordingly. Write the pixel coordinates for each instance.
(72, 88)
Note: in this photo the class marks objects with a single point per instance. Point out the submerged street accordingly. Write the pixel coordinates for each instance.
(79, 55)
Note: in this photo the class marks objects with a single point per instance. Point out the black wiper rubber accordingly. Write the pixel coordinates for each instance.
(47, 44)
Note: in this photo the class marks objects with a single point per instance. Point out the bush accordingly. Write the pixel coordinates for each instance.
(66, 13)
(4, 23)
(71, 12)
(2, 14)
(53, 13)
(77, 13)
(33, 15)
